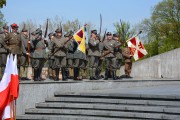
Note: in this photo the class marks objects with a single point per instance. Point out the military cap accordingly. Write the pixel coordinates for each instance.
(24, 29)
(59, 30)
(116, 35)
(6, 27)
(14, 25)
(71, 33)
(50, 35)
(94, 31)
(108, 33)
(38, 31)
(67, 34)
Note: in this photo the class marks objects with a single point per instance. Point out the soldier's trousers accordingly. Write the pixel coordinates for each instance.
(110, 62)
(70, 67)
(23, 66)
(128, 67)
(78, 63)
(94, 61)
(59, 62)
(3, 58)
(38, 64)
(118, 64)
(51, 69)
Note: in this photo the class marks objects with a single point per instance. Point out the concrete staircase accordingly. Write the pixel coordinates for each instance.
(102, 106)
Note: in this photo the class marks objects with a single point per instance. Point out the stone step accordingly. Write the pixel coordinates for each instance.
(119, 95)
(113, 101)
(104, 113)
(112, 107)
(67, 117)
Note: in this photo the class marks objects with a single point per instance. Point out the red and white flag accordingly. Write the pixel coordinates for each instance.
(9, 89)
(137, 48)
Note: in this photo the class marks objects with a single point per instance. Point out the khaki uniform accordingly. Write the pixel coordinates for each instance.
(128, 60)
(110, 59)
(3, 53)
(119, 57)
(51, 69)
(94, 54)
(72, 46)
(60, 56)
(14, 45)
(39, 56)
(24, 57)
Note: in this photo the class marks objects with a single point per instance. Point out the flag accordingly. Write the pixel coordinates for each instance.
(80, 37)
(136, 47)
(9, 89)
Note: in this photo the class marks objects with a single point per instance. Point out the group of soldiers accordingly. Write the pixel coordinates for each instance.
(63, 54)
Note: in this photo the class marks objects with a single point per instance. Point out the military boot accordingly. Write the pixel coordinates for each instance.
(57, 75)
(64, 78)
(106, 74)
(39, 75)
(114, 75)
(36, 75)
(94, 74)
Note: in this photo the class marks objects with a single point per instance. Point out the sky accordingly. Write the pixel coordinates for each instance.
(132, 11)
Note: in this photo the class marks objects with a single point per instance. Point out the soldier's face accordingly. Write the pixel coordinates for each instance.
(25, 33)
(59, 34)
(109, 37)
(6, 31)
(94, 35)
(116, 38)
(15, 29)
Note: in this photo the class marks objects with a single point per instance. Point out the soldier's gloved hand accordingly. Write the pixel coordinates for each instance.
(27, 54)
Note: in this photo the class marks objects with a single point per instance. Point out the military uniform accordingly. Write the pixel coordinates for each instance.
(100, 63)
(79, 62)
(110, 59)
(51, 60)
(39, 54)
(128, 61)
(3, 51)
(60, 55)
(14, 43)
(118, 53)
(24, 56)
(94, 54)
(72, 46)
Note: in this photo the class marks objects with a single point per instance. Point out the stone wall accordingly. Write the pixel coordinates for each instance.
(166, 65)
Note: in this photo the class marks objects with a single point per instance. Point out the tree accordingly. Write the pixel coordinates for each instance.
(2, 3)
(2, 21)
(162, 29)
(124, 29)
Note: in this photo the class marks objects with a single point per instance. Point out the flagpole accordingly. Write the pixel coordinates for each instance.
(134, 36)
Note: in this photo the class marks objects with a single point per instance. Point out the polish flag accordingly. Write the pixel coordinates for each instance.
(137, 48)
(9, 89)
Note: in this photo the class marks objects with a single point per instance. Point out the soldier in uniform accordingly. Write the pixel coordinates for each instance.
(24, 56)
(51, 69)
(118, 53)
(110, 60)
(79, 63)
(94, 54)
(128, 61)
(101, 59)
(3, 50)
(60, 55)
(14, 43)
(72, 46)
(39, 54)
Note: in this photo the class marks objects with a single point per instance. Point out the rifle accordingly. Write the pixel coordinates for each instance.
(108, 52)
(29, 46)
(46, 30)
(100, 27)
(104, 35)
